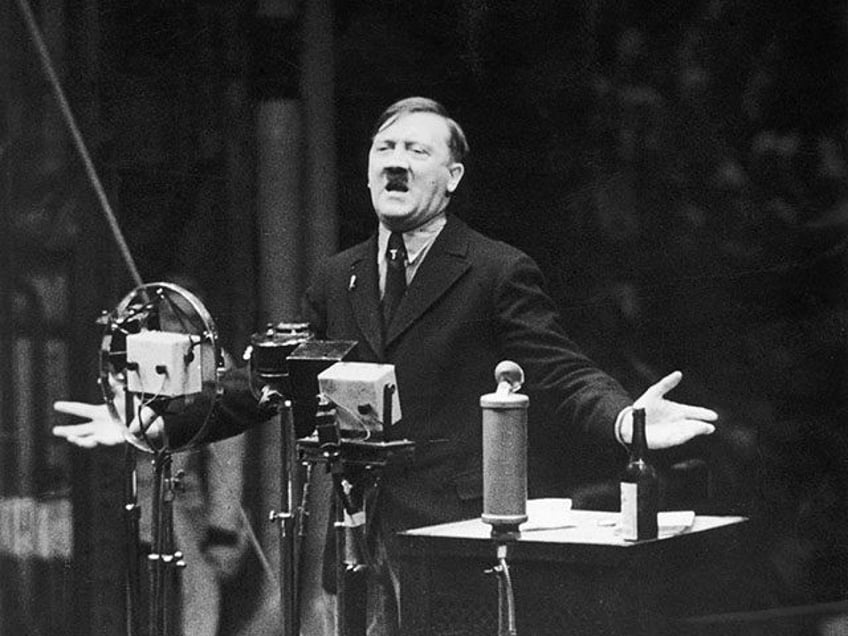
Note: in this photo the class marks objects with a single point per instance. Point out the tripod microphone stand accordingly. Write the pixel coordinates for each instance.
(159, 350)
(271, 383)
(164, 559)
(132, 512)
(351, 548)
(285, 361)
(354, 465)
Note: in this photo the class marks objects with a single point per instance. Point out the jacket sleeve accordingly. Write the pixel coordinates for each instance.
(558, 376)
(232, 413)
(236, 409)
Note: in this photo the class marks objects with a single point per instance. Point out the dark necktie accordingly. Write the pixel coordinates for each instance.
(395, 277)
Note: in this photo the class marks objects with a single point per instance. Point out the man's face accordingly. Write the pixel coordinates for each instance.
(410, 170)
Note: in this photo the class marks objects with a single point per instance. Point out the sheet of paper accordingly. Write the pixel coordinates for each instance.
(547, 514)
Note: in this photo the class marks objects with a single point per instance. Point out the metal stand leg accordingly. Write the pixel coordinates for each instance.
(355, 467)
(132, 512)
(506, 598)
(164, 560)
(354, 557)
(290, 526)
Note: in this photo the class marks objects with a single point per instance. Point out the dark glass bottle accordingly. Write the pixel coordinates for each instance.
(639, 488)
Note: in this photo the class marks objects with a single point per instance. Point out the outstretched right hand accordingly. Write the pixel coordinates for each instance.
(103, 426)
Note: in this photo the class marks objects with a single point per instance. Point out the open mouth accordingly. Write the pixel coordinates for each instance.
(397, 185)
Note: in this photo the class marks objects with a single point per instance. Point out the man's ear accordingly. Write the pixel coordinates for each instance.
(456, 171)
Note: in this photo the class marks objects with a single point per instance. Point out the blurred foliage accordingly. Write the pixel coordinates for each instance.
(679, 172)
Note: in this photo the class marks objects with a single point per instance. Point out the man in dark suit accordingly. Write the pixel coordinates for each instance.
(444, 305)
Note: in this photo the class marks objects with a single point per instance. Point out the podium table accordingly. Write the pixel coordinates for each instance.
(572, 573)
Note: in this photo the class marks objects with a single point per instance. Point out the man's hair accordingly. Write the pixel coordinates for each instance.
(456, 140)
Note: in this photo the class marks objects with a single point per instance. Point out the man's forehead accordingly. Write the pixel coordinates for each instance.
(415, 126)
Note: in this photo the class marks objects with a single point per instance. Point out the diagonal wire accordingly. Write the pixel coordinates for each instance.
(44, 56)
(47, 65)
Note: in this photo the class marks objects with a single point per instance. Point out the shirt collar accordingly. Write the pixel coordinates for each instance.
(415, 240)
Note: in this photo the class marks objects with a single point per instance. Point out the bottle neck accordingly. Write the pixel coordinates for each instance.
(638, 446)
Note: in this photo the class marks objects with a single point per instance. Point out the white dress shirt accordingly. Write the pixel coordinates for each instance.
(417, 243)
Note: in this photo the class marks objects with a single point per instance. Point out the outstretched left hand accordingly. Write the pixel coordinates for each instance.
(667, 423)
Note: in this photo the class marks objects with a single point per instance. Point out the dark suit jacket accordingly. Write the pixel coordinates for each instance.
(473, 302)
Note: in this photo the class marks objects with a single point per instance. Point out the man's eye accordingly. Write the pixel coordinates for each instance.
(419, 151)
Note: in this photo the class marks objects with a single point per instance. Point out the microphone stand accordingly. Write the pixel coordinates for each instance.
(505, 477)
(132, 512)
(351, 548)
(353, 465)
(138, 315)
(506, 596)
(164, 559)
(288, 517)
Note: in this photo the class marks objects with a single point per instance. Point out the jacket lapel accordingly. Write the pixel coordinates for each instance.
(442, 266)
(364, 295)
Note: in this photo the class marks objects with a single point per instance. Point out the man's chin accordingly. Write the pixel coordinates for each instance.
(394, 214)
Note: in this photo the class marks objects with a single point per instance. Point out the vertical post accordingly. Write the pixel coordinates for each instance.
(317, 84)
(289, 522)
(132, 512)
(155, 615)
(10, 94)
(296, 198)
(164, 559)
(279, 208)
(506, 597)
(353, 591)
(280, 158)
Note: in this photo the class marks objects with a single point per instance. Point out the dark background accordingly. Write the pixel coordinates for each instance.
(679, 170)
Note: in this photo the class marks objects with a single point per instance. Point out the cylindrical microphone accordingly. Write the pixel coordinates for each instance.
(505, 451)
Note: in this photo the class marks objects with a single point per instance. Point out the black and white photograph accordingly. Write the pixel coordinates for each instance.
(431, 317)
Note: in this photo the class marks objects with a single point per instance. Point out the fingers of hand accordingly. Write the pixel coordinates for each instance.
(675, 411)
(699, 413)
(656, 392)
(80, 409)
(77, 430)
(90, 434)
(83, 435)
(678, 433)
(694, 428)
(666, 384)
(83, 442)
(666, 411)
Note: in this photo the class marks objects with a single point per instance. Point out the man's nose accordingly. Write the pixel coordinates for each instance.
(398, 159)
(394, 170)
